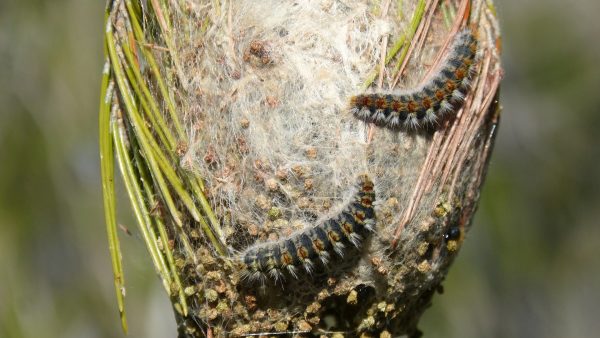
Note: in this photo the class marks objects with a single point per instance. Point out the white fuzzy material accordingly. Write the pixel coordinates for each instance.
(317, 54)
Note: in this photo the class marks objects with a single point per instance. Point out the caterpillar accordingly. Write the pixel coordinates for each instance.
(314, 245)
(443, 93)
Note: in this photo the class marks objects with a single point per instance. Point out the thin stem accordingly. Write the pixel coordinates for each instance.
(107, 168)
(137, 199)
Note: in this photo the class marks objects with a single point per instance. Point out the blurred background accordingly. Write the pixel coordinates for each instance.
(529, 268)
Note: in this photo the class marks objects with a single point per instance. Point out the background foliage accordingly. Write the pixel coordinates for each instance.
(528, 269)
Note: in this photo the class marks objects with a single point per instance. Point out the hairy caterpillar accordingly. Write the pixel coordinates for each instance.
(443, 93)
(304, 249)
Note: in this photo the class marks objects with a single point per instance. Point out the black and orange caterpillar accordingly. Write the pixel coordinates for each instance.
(309, 247)
(443, 93)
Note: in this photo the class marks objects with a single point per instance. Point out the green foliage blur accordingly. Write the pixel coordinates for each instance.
(57, 277)
(529, 267)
